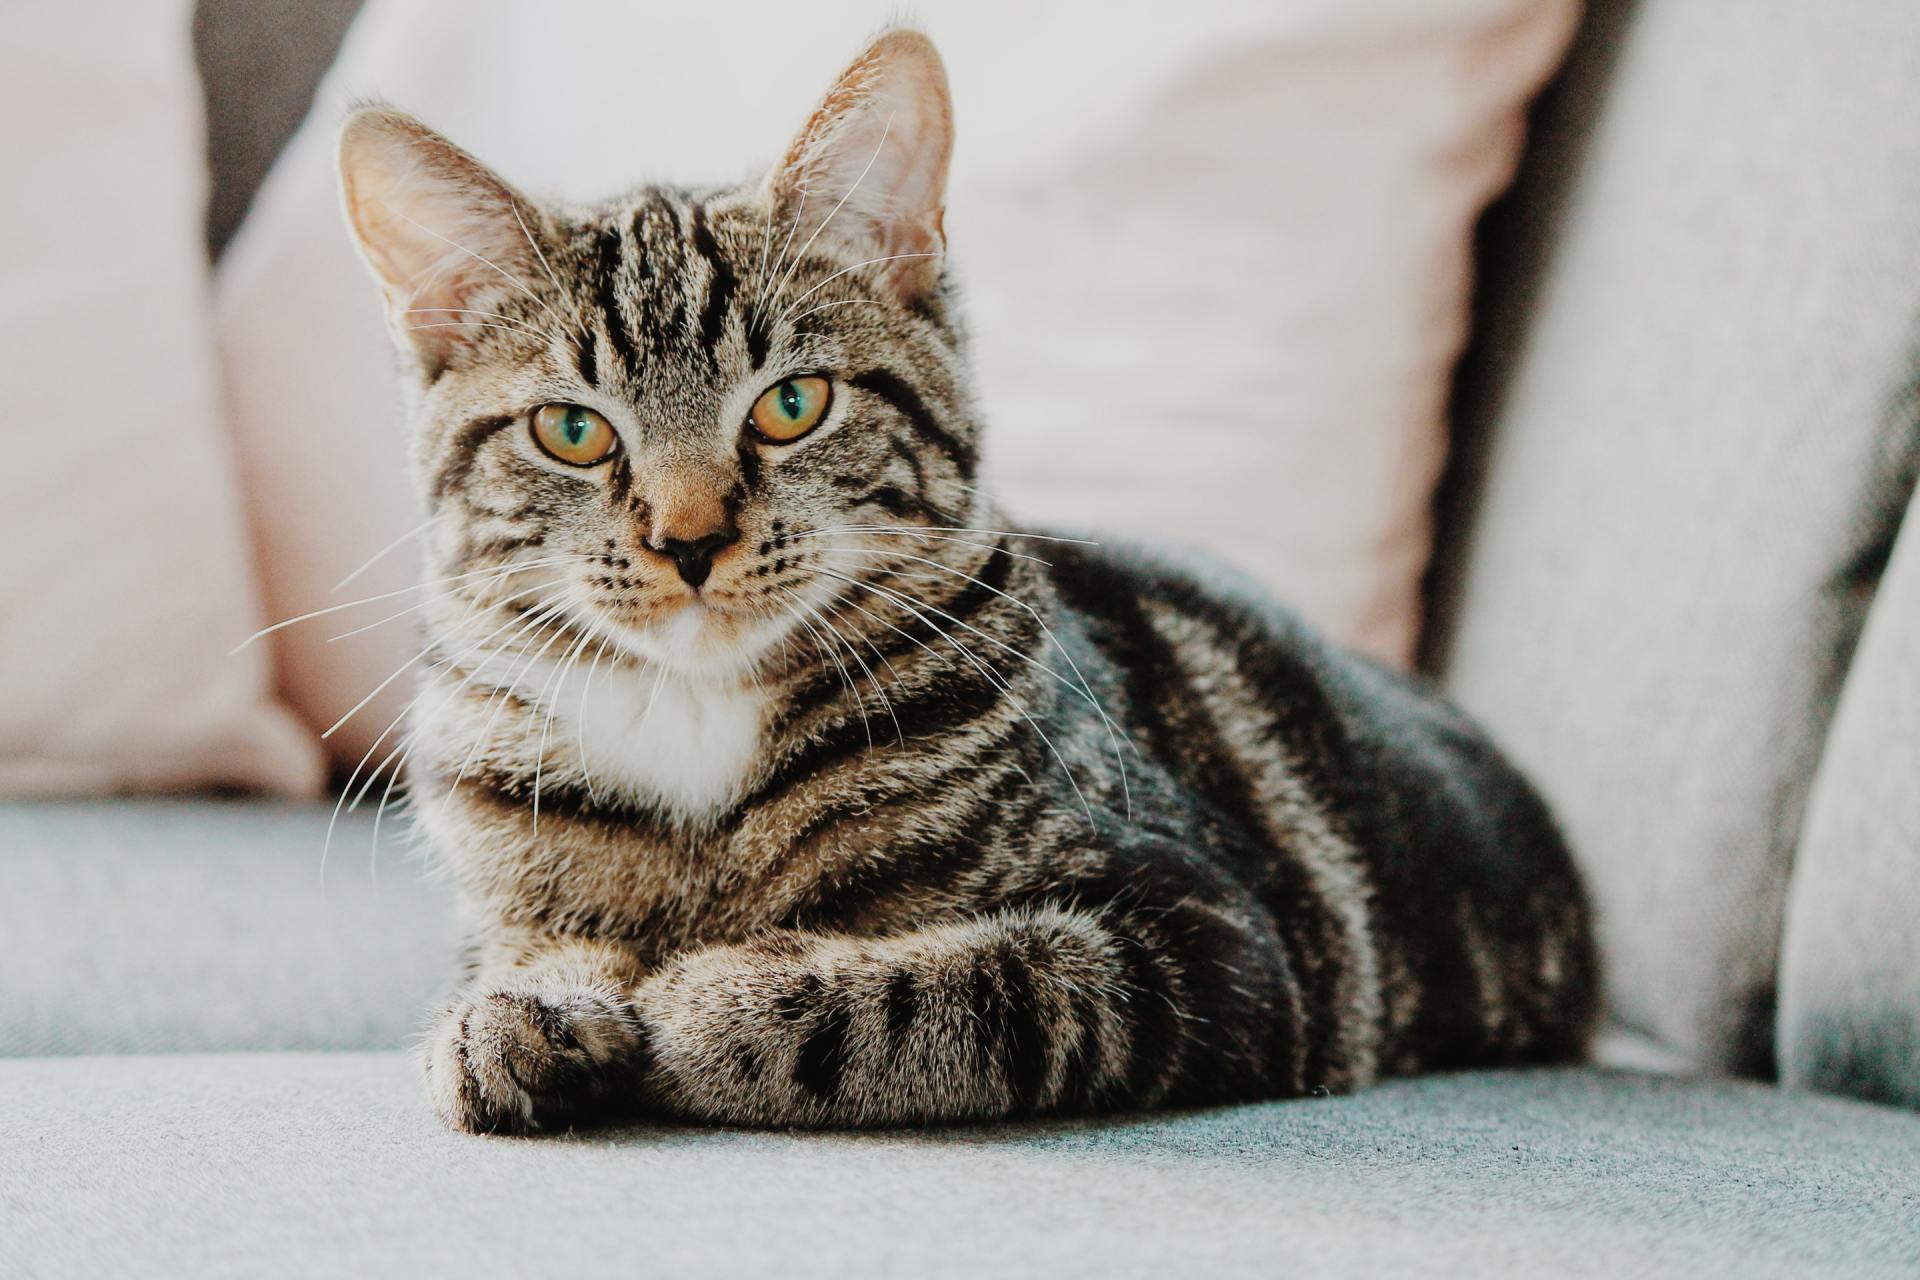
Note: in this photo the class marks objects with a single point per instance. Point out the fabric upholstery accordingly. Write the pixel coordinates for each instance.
(123, 557)
(1850, 961)
(259, 63)
(299, 1165)
(170, 925)
(1699, 433)
(1215, 295)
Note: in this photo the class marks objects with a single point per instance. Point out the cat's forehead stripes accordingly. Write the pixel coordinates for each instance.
(662, 286)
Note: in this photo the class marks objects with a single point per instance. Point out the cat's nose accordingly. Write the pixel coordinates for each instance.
(693, 557)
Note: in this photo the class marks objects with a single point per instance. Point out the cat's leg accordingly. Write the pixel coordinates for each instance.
(1047, 1009)
(542, 1033)
(1013, 1013)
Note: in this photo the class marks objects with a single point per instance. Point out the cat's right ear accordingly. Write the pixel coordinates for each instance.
(439, 230)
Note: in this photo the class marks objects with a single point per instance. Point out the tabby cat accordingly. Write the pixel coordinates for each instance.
(784, 786)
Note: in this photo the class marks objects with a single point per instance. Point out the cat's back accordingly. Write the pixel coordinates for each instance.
(1261, 717)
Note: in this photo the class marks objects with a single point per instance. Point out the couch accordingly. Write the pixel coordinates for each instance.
(1672, 576)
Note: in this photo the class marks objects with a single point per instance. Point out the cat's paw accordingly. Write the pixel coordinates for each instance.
(520, 1060)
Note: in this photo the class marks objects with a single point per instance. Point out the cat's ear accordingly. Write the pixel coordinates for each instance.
(439, 230)
(870, 167)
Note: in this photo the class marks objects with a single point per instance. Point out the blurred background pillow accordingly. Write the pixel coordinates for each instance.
(128, 576)
(1216, 263)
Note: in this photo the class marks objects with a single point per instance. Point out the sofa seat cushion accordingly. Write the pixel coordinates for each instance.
(301, 1164)
(191, 924)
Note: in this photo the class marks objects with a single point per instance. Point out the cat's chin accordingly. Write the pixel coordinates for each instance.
(701, 642)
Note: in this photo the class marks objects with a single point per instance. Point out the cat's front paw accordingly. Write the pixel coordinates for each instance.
(507, 1060)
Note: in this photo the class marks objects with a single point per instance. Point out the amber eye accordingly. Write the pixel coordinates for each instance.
(574, 434)
(790, 408)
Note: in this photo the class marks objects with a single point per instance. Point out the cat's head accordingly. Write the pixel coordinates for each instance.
(681, 419)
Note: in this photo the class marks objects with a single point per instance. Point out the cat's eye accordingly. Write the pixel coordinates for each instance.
(790, 408)
(574, 434)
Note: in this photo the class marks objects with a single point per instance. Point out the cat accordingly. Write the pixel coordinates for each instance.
(784, 784)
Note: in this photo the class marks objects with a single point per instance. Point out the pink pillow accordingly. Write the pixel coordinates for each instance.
(1216, 266)
(127, 576)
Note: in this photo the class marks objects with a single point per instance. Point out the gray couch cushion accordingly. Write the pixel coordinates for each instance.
(1850, 957)
(295, 1164)
(1701, 435)
(135, 926)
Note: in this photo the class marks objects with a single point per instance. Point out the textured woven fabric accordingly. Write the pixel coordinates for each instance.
(165, 925)
(1850, 961)
(298, 1165)
(1699, 436)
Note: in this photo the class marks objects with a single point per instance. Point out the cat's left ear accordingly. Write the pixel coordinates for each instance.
(870, 167)
(439, 230)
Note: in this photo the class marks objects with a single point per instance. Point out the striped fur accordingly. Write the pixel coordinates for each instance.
(899, 816)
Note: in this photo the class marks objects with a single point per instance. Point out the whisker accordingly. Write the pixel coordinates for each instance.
(892, 257)
(834, 657)
(886, 703)
(347, 790)
(549, 336)
(994, 678)
(481, 324)
(558, 678)
(580, 718)
(941, 537)
(880, 146)
(766, 290)
(403, 751)
(389, 595)
(431, 600)
(1087, 689)
(766, 246)
(922, 530)
(511, 278)
(847, 302)
(387, 550)
(497, 701)
(537, 251)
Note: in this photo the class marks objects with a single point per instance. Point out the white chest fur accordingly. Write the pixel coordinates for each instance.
(683, 742)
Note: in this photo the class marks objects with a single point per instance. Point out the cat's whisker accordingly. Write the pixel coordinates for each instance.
(511, 278)
(870, 262)
(427, 585)
(833, 656)
(766, 282)
(799, 257)
(480, 324)
(1113, 737)
(346, 791)
(845, 302)
(760, 273)
(398, 761)
(986, 669)
(879, 693)
(546, 335)
(941, 537)
(497, 701)
(832, 610)
(557, 680)
(580, 718)
(432, 600)
(377, 689)
(924, 530)
(388, 550)
(659, 683)
(538, 252)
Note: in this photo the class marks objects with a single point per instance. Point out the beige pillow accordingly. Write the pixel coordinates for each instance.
(126, 572)
(1216, 263)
